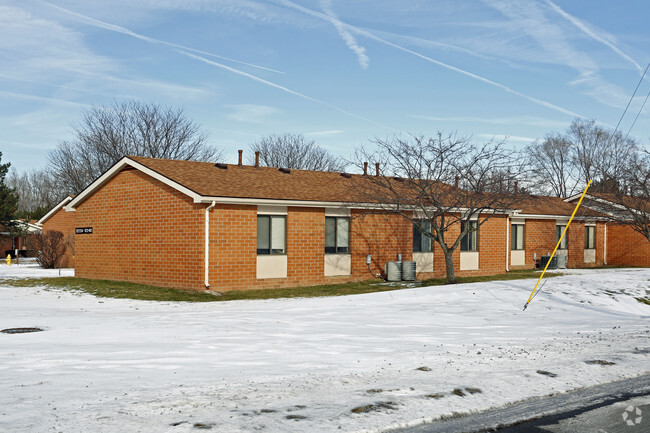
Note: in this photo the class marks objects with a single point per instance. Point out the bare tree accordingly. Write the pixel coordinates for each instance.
(551, 165)
(50, 248)
(599, 154)
(562, 164)
(294, 151)
(631, 205)
(106, 134)
(439, 183)
(36, 190)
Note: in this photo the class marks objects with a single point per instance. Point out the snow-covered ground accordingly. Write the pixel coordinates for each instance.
(303, 365)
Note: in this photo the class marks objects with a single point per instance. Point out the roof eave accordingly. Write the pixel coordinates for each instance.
(115, 169)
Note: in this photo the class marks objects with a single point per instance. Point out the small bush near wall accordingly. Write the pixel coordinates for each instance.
(50, 247)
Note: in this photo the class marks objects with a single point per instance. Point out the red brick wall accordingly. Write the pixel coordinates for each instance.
(540, 239)
(5, 244)
(381, 235)
(64, 222)
(233, 247)
(143, 232)
(576, 245)
(625, 247)
(600, 244)
(491, 247)
(306, 246)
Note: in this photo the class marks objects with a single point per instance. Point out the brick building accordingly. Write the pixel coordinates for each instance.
(537, 226)
(624, 245)
(57, 219)
(16, 239)
(193, 225)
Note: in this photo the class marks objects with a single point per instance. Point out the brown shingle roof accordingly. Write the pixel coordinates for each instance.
(206, 179)
(543, 205)
(248, 182)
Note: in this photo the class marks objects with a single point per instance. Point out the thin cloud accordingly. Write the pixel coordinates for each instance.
(277, 86)
(429, 59)
(251, 113)
(118, 29)
(26, 97)
(350, 41)
(471, 75)
(323, 133)
(573, 20)
(507, 138)
(517, 120)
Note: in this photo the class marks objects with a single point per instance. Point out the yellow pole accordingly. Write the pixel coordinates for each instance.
(557, 245)
(8, 259)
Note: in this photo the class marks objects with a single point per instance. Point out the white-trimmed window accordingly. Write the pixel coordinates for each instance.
(590, 237)
(271, 234)
(565, 240)
(469, 242)
(517, 236)
(337, 235)
(422, 242)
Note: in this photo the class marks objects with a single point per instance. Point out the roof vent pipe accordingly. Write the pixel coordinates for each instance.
(365, 168)
(516, 185)
(257, 158)
(456, 181)
(240, 157)
(377, 169)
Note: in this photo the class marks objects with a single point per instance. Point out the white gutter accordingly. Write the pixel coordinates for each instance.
(605, 246)
(508, 244)
(207, 243)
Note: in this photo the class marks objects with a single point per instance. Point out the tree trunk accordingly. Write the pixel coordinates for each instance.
(449, 266)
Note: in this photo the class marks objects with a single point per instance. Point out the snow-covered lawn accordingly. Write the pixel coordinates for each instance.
(303, 365)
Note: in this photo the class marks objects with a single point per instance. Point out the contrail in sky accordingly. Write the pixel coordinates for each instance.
(444, 65)
(347, 37)
(591, 34)
(115, 28)
(277, 86)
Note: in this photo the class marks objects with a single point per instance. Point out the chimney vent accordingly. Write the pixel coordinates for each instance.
(516, 187)
(365, 168)
(240, 157)
(257, 158)
(456, 181)
(377, 169)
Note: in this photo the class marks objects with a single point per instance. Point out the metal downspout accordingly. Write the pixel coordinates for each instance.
(605, 246)
(206, 259)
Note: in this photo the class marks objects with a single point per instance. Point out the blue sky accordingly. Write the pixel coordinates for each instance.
(340, 72)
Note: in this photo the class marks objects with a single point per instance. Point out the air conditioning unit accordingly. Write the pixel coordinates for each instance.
(408, 270)
(400, 271)
(394, 271)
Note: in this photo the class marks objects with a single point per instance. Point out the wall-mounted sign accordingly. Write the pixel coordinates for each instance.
(83, 230)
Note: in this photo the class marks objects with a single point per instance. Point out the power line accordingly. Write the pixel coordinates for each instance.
(637, 116)
(632, 97)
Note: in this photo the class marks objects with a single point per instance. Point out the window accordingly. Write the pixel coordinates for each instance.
(271, 234)
(469, 242)
(517, 236)
(565, 241)
(590, 237)
(337, 235)
(422, 242)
